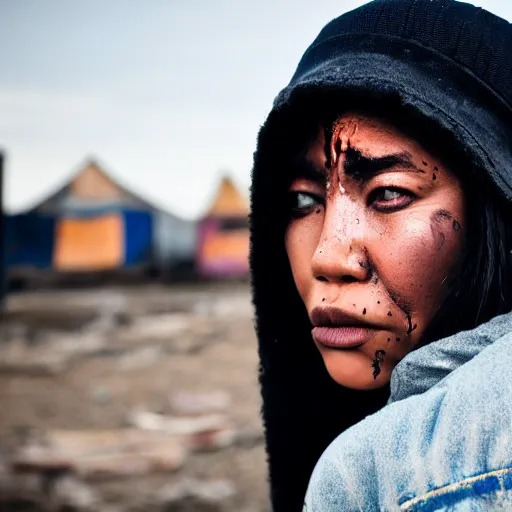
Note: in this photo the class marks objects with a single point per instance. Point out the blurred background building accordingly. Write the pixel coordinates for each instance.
(223, 235)
(93, 225)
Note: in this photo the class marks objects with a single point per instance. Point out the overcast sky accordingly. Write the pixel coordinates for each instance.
(166, 94)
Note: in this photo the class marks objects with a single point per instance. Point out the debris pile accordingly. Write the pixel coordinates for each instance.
(132, 409)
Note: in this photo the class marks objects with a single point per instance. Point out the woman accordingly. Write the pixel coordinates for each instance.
(381, 263)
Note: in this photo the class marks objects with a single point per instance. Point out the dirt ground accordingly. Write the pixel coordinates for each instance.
(92, 360)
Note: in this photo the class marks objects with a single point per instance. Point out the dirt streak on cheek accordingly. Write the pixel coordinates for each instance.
(376, 363)
(438, 221)
(442, 214)
(437, 231)
(406, 308)
(441, 221)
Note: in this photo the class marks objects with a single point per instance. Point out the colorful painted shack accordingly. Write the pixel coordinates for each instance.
(223, 235)
(94, 224)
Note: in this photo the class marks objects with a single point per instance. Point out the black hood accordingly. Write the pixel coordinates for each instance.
(444, 63)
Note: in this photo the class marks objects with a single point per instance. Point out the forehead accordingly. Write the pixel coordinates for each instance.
(362, 146)
(374, 136)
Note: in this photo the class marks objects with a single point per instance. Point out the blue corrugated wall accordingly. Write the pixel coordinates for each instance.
(29, 240)
(138, 234)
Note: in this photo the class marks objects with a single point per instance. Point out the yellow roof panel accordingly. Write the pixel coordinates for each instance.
(228, 202)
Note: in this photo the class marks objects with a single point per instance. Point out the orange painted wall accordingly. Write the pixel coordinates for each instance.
(89, 244)
(233, 245)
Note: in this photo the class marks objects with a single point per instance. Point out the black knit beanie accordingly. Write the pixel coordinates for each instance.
(450, 60)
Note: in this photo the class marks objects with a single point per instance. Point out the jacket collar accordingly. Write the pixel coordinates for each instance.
(424, 368)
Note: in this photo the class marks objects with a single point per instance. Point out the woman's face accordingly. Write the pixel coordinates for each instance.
(376, 230)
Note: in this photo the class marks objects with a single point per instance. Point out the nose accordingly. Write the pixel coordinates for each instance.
(341, 254)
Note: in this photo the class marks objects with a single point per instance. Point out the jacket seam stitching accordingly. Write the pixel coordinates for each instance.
(446, 489)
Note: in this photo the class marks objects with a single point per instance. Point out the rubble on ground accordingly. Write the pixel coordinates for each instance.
(131, 405)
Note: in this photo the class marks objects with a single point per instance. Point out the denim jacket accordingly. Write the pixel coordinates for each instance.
(444, 440)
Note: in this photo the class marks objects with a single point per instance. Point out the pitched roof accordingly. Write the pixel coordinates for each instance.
(91, 186)
(228, 201)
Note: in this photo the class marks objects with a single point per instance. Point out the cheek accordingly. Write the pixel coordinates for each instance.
(301, 240)
(419, 255)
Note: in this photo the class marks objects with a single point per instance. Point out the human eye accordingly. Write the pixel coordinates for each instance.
(390, 199)
(302, 203)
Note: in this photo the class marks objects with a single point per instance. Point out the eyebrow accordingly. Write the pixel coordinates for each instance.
(359, 167)
(305, 169)
(363, 168)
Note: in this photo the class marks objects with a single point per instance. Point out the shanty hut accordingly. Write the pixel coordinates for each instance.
(223, 235)
(94, 224)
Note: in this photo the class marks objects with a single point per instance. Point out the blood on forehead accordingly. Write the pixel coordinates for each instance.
(343, 130)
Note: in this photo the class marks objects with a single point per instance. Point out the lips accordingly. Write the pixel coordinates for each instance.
(334, 317)
(342, 337)
(335, 328)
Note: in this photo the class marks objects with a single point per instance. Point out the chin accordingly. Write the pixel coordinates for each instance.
(352, 369)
